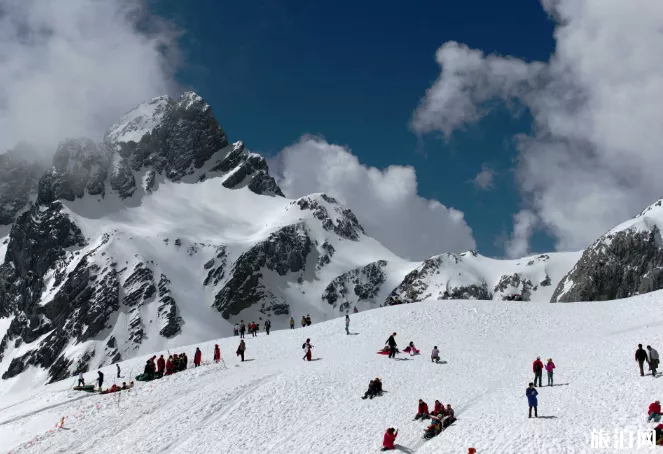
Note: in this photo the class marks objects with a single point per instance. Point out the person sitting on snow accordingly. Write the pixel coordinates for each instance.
(422, 410)
(374, 389)
(438, 409)
(434, 428)
(124, 385)
(449, 418)
(411, 349)
(654, 412)
(389, 439)
(435, 355)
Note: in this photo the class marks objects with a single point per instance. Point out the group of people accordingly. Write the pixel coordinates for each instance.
(650, 356)
(157, 368)
(440, 417)
(537, 368)
(115, 388)
(306, 320)
(654, 414)
(241, 327)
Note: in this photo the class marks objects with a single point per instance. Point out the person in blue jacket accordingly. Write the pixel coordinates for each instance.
(531, 394)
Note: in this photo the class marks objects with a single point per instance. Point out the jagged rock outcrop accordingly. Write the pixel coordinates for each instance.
(285, 252)
(512, 285)
(342, 221)
(19, 177)
(365, 283)
(618, 265)
(171, 322)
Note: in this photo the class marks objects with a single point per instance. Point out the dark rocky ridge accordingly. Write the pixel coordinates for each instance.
(19, 177)
(365, 283)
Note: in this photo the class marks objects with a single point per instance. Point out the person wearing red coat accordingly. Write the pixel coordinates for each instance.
(438, 408)
(217, 353)
(422, 410)
(654, 412)
(389, 439)
(537, 368)
(161, 365)
(197, 357)
(170, 366)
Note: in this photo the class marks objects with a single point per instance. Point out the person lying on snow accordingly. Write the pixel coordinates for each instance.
(374, 389)
(386, 349)
(422, 410)
(389, 439)
(411, 349)
(434, 428)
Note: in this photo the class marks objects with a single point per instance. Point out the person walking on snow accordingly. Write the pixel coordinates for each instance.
(392, 346)
(307, 349)
(347, 324)
(654, 412)
(532, 401)
(241, 349)
(653, 360)
(435, 355)
(197, 357)
(268, 325)
(242, 329)
(389, 439)
(118, 370)
(549, 370)
(81, 380)
(641, 357)
(292, 323)
(100, 379)
(217, 353)
(537, 368)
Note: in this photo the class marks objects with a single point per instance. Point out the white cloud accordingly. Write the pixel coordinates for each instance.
(71, 68)
(594, 156)
(517, 245)
(485, 179)
(385, 201)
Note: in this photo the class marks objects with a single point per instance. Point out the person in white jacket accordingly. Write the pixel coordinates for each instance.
(653, 359)
(435, 355)
(307, 350)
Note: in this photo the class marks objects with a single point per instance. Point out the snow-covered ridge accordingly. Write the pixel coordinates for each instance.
(140, 120)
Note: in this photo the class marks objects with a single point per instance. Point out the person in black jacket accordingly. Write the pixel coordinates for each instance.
(641, 357)
(392, 346)
(268, 325)
(100, 379)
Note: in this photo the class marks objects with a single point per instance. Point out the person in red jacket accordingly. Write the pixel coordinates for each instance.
(537, 368)
(217, 353)
(161, 366)
(438, 409)
(422, 410)
(654, 412)
(170, 366)
(197, 357)
(389, 439)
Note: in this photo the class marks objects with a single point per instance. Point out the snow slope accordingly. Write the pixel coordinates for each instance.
(277, 403)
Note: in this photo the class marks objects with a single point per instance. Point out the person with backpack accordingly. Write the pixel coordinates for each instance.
(268, 325)
(532, 401)
(307, 349)
(241, 349)
(550, 366)
(100, 379)
(392, 345)
(389, 439)
(537, 368)
(292, 323)
(641, 357)
(653, 360)
(217, 353)
(242, 329)
(197, 357)
(347, 324)
(435, 355)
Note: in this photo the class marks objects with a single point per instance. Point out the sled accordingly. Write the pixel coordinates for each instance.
(88, 388)
(144, 377)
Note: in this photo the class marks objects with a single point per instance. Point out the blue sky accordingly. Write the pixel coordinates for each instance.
(354, 72)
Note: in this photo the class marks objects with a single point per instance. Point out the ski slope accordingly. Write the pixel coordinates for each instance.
(277, 403)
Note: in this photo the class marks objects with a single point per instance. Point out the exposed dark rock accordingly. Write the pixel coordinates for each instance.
(514, 284)
(216, 273)
(618, 265)
(168, 310)
(365, 284)
(122, 178)
(346, 224)
(326, 255)
(19, 177)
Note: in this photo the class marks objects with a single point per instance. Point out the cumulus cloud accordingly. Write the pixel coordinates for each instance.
(593, 158)
(485, 179)
(71, 68)
(517, 245)
(385, 200)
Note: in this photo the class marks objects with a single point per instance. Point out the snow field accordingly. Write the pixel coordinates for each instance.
(277, 403)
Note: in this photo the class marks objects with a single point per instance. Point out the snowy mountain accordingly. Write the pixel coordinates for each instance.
(279, 404)
(165, 234)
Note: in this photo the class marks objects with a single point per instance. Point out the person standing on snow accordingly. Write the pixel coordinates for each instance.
(170, 366)
(217, 353)
(100, 379)
(653, 360)
(268, 325)
(236, 329)
(549, 369)
(307, 349)
(118, 370)
(641, 357)
(435, 355)
(161, 366)
(389, 439)
(242, 329)
(392, 346)
(81, 380)
(355, 310)
(241, 349)
(292, 323)
(303, 321)
(532, 401)
(537, 368)
(347, 324)
(197, 357)
(308, 320)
